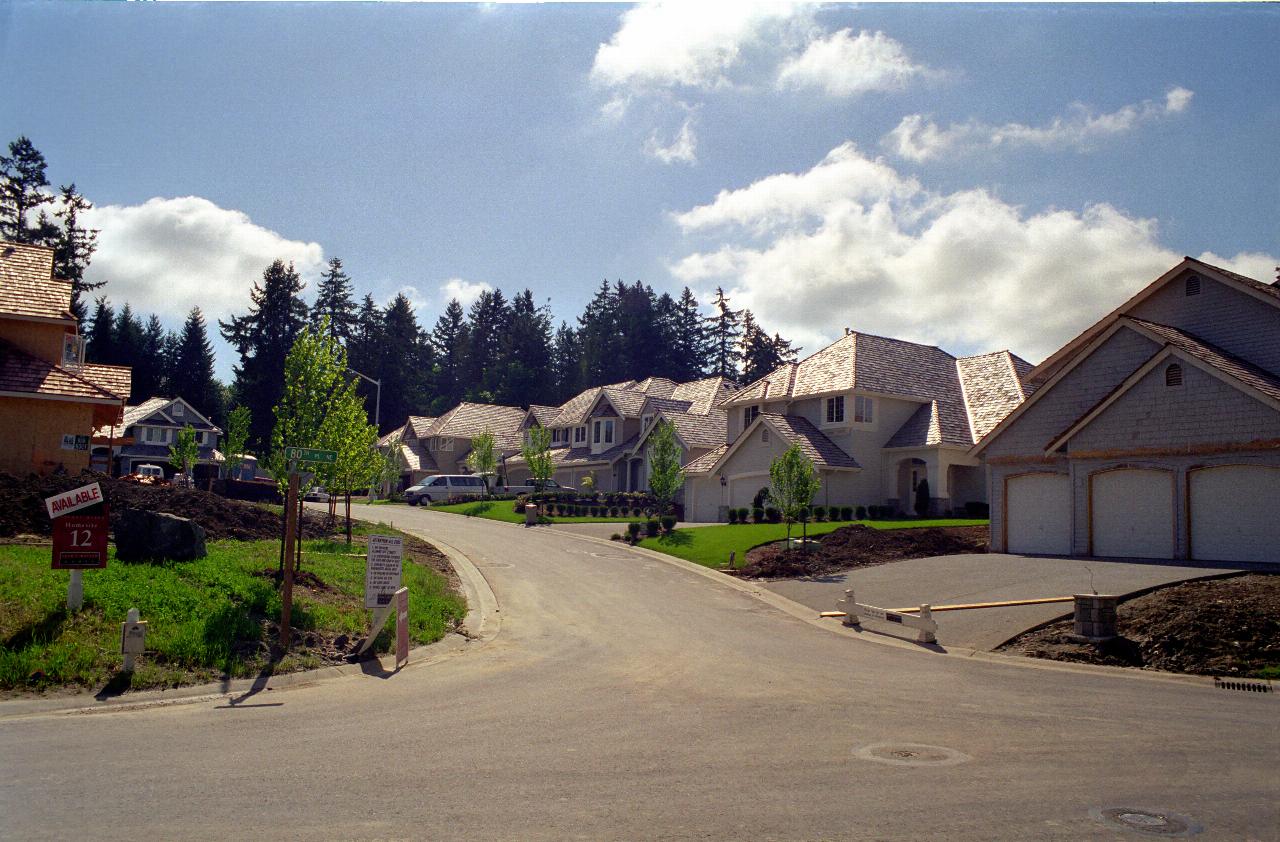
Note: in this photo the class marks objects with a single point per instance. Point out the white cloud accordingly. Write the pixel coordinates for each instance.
(844, 65)
(465, 291)
(683, 148)
(852, 243)
(918, 138)
(166, 256)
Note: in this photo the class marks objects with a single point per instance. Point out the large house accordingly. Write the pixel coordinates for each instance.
(876, 415)
(1155, 433)
(50, 399)
(441, 445)
(603, 431)
(149, 429)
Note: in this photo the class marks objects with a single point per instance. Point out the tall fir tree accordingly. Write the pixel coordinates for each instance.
(262, 337)
(641, 352)
(527, 375)
(128, 336)
(22, 193)
(101, 333)
(73, 247)
(365, 352)
(150, 369)
(333, 301)
(566, 367)
(598, 339)
(449, 342)
(406, 367)
(689, 338)
(191, 376)
(723, 331)
(487, 323)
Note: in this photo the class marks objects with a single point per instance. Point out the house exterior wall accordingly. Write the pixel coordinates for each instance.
(32, 430)
(997, 476)
(1224, 316)
(39, 339)
(1085, 385)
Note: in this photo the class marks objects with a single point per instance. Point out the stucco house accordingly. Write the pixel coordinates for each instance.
(146, 432)
(443, 444)
(876, 415)
(50, 399)
(1155, 433)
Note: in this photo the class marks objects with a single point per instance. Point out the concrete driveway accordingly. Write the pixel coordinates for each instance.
(625, 697)
(989, 577)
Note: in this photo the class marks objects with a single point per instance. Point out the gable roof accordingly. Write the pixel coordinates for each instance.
(24, 374)
(158, 405)
(27, 286)
(792, 429)
(992, 385)
(707, 461)
(542, 415)
(659, 387)
(1055, 361)
(467, 420)
(116, 379)
(418, 425)
(704, 394)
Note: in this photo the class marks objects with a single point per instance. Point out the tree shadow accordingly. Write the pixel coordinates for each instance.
(679, 538)
(44, 629)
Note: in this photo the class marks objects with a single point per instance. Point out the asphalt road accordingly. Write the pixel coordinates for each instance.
(627, 698)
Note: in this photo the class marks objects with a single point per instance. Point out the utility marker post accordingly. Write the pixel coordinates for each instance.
(290, 546)
(133, 638)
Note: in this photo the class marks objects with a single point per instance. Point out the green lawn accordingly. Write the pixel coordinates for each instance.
(504, 511)
(710, 545)
(205, 618)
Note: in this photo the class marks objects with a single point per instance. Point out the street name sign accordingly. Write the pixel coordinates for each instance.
(310, 454)
(73, 500)
(382, 570)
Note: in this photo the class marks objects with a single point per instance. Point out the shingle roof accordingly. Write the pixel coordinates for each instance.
(813, 442)
(27, 285)
(1269, 289)
(992, 388)
(699, 430)
(627, 401)
(776, 385)
(666, 405)
(1242, 370)
(420, 424)
(467, 420)
(563, 457)
(391, 438)
(922, 429)
(704, 463)
(21, 372)
(116, 379)
(544, 415)
(703, 394)
(658, 387)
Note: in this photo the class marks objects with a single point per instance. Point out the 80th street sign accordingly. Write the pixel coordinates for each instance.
(310, 454)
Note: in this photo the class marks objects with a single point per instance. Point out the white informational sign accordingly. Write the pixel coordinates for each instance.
(382, 570)
(76, 498)
(133, 637)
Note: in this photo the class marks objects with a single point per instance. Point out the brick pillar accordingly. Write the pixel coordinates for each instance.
(1095, 618)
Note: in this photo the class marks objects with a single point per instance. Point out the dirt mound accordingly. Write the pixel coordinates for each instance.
(1216, 627)
(862, 546)
(24, 512)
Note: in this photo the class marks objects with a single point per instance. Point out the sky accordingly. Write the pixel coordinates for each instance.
(971, 176)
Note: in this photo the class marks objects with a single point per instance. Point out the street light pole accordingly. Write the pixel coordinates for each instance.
(377, 404)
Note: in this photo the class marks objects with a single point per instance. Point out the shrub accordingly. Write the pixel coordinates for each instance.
(651, 527)
(760, 499)
(819, 513)
(757, 514)
(733, 516)
(773, 514)
(518, 506)
(972, 509)
(668, 523)
(861, 512)
(633, 530)
(846, 512)
(617, 536)
(613, 511)
(743, 514)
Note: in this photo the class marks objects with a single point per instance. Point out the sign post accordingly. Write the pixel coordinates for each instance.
(382, 591)
(133, 638)
(402, 627)
(80, 528)
(292, 522)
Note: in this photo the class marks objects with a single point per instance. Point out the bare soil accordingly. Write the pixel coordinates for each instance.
(861, 546)
(1222, 627)
(23, 512)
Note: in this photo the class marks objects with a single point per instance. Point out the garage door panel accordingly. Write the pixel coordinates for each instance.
(1235, 513)
(1038, 514)
(1132, 513)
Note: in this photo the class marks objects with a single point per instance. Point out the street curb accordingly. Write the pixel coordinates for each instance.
(482, 622)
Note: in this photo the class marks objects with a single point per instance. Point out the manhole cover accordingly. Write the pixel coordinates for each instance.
(911, 754)
(1146, 821)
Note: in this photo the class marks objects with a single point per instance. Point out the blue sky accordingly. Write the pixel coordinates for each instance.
(977, 177)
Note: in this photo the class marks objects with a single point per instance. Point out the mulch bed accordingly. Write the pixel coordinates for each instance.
(861, 546)
(24, 513)
(1225, 627)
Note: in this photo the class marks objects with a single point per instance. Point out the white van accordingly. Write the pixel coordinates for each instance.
(154, 471)
(437, 489)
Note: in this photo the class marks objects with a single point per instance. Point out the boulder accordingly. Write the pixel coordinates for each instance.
(155, 536)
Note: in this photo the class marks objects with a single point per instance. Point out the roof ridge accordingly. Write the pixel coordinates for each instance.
(964, 398)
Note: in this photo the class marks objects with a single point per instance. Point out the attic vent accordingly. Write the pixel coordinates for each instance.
(1173, 375)
(764, 435)
(1193, 285)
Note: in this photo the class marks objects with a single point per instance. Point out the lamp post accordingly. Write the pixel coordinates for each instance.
(377, 405)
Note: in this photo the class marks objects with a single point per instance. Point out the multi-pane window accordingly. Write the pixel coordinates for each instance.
(579, 435)
(835, 410)
(749, 414)
(595, 432)
(862, 409)
(608, 432)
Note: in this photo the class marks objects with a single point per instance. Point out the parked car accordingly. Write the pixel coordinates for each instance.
(316, 495)
(154, 471)
(435, 489)
(549, 485)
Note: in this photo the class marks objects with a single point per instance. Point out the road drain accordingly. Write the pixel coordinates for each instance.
(1145, 821)
(911, 754)
(1247, 686)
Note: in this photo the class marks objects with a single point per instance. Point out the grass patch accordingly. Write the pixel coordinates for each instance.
(504, 511)
(207, 619)
(710, 545)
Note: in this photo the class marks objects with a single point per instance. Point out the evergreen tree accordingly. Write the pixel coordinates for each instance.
(723, 331)
(101, 333)
(333, 301)
(760, 353)
(22, 183)
(689, 339)
(667, 363)
(191, 376)
(406, 365)
(598, 339)
(128, 336)
(150, 369)
(566, 368)
(262, 337)
(527, 375)
(365, 351)
(784, 350)
(449, 342)
(487, 324)
(73, 247)
(640, 352)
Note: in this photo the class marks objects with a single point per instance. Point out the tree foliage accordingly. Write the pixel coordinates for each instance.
(722, 333)
(315, 382)
(483, 458)
(536, 450)
(663, 454)
(184, 452)
(793, 481)
(22, 193)
(237, 436)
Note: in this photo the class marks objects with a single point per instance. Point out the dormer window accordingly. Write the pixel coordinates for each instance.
(1173, 375)
(749, 414)
(178, 410)
(579, 435)
(835, 410)
(1193, 285)
(644, 422)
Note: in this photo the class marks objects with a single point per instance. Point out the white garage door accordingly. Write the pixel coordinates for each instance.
(1133, 513)
(1038, 514)
(1235, 513)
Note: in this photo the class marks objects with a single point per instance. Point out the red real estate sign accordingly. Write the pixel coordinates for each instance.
(80, 541)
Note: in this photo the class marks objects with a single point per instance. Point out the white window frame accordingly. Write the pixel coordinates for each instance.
(864, 409)
(833, 410)
(178, 410)
(446, 445)
(608, 431)
(750, 414)
(580, 434)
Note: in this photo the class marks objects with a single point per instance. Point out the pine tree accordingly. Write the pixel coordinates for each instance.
(689, 338)
(784, 350)
(566, 365)
(406, 366)
(22, 183)
(487, 323)
(101, 334)
(641, 352)
(191, 377)
(149, 369)
(262, 337)
(527, 375)
(333, 301)
(598, 338)
(74, 246)
(365, 353)
(723, 331)
(128, 335)
(449, 342)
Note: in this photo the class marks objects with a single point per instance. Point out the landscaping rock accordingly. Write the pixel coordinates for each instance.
(155, 536)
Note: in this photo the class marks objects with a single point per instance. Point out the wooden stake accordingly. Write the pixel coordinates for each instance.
(290, 538)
